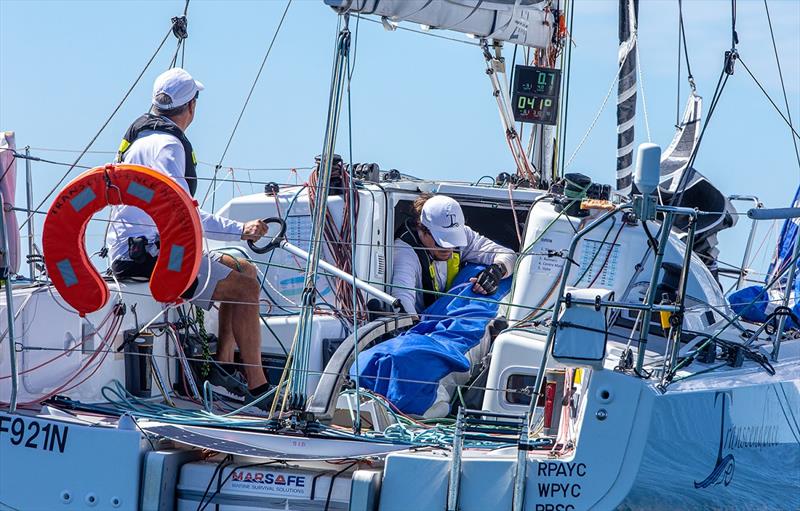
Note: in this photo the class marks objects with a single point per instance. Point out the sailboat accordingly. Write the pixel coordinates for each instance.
(611, 372)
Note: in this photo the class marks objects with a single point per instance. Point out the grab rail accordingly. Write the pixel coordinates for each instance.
(750, 237)
(781, 214)
(669, 213)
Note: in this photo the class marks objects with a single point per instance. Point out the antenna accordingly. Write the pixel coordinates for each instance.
(646, 178)
(648, 168)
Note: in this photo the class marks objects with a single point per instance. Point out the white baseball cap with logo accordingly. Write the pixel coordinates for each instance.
(178, 85)
(445, 220)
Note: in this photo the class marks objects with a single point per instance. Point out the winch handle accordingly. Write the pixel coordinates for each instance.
(276, 240)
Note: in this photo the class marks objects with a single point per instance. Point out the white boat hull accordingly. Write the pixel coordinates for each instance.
(695, 447)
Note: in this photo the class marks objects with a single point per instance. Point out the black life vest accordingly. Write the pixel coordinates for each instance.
(430, 284)
(152, 122)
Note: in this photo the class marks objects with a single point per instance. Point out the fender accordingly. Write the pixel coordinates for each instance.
(171, 208)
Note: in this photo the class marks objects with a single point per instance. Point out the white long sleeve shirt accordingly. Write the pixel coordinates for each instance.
(164, 153)
(407, 271)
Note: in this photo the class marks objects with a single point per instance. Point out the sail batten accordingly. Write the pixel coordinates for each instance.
(522, 22)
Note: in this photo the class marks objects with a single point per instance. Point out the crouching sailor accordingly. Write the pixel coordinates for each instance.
(157, 140)
(430, 249)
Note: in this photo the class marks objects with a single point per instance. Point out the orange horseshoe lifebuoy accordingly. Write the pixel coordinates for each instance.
(171, 208)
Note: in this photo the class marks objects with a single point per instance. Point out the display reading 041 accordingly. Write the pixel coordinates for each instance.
(535, 94)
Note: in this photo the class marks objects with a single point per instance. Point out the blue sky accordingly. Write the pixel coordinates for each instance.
(420, 104)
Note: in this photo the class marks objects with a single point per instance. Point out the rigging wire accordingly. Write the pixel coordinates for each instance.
(780, 75)
(641, 89)
(246, 102)
(179, 29)
(513, 68)
(594, 120)
(306, 240)
(689, 76)
(341, 241)
(721, 82)
(56, 349)
(302, 338)
(48, 149)
(102, 128)
(352, 194)
(678, 73)
(568, 53)
(769, 98)
(108, 348)
(200, 162)
(731, 56)
(734, 35)
(745, 307)
(352, 65)
(348, 91)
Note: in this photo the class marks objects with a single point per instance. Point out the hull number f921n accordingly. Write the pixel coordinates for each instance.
(32, 434)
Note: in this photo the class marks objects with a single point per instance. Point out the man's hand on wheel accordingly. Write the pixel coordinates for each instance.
(254, 230)
(488, 280)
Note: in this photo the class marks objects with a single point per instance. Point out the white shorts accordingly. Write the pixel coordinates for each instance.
(211, 272)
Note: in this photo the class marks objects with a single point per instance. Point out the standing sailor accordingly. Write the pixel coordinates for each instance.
(431, 247)
(157, 140)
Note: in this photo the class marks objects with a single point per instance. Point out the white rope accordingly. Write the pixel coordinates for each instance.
(596, 117)
(641, 88)
(216, 188)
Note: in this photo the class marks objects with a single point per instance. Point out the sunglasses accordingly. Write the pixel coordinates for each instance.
(428, 232)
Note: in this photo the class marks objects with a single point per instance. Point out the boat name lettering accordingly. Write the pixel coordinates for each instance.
(554, 507)
(559, 490)
(271, 483)
(751, 437)
(269, 478)
(33, 435)
(66, 195)
(555, 469)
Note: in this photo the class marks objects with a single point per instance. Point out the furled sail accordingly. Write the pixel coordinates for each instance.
(8, 185)
(684, 186)
(523, 22)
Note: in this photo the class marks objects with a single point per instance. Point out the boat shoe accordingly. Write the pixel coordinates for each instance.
(233, 383)
(263, 404)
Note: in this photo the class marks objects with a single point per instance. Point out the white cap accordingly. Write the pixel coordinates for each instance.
(444, 218)
(178, 85)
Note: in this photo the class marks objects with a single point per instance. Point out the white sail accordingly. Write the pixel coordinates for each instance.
(520, 22)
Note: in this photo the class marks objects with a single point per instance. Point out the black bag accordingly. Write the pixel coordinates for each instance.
(141, 263)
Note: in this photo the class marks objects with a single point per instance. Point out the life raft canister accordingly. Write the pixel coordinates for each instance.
(173, 211)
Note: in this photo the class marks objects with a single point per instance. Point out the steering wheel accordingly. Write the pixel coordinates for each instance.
(276, 240)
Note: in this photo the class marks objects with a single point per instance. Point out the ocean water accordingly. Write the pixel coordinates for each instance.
(744, 455)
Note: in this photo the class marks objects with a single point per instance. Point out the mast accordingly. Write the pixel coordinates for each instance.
(626, 94)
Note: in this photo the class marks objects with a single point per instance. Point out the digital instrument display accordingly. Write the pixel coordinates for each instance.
(535, 94)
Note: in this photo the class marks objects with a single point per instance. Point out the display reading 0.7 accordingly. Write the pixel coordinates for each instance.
(535, 94)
